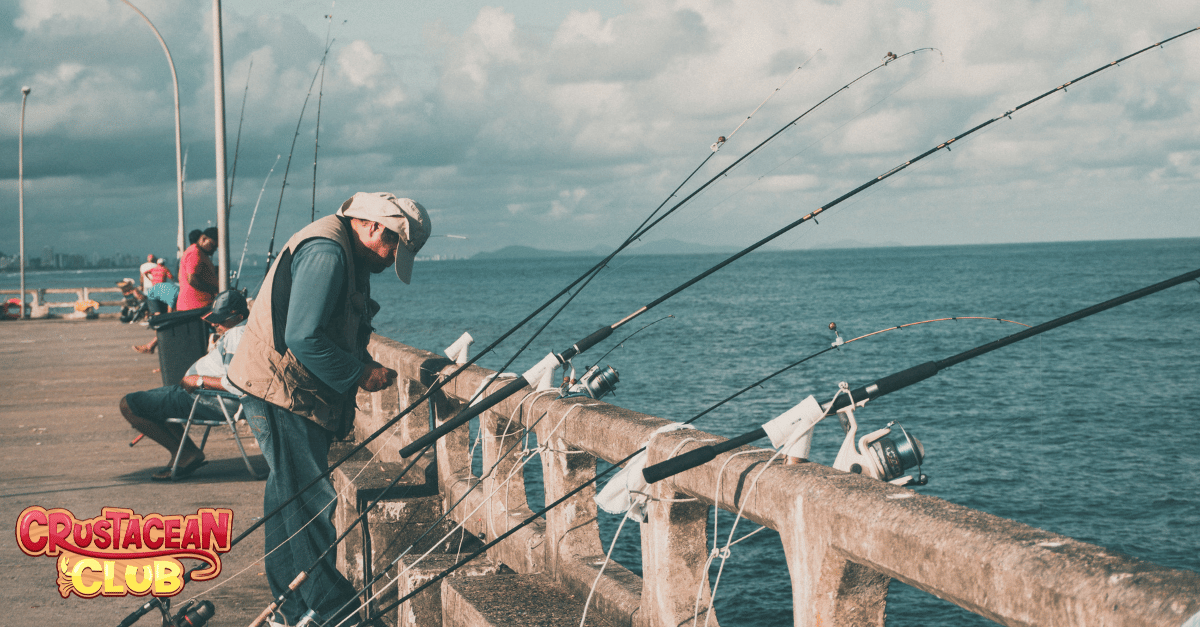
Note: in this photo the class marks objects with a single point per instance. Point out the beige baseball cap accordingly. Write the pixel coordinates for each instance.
(400, 215)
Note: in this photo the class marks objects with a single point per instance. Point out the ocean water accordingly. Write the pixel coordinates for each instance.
(1088, 430)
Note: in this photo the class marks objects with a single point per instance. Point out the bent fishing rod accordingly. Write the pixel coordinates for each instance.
(900, 380)
(618, 464)
(554, 360)
(646, 225)
(585, 279)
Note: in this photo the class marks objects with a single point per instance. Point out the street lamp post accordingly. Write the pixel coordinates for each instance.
(21, 194)
(178, 149)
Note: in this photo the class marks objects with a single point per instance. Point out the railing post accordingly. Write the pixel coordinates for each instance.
(674, 556)
(829, 590)
(571, 528)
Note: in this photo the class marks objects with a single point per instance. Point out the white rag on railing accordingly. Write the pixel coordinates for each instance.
(617, 496)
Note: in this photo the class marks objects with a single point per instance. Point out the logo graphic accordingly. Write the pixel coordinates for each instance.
(120, 552)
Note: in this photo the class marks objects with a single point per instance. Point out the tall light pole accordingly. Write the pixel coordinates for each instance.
(178, 157)
(219, 106)
(21, 194)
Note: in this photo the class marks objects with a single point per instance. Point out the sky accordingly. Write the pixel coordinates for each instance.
(563, 124)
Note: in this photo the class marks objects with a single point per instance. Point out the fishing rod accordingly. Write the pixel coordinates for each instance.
(238, 142)
(249, 229)
(320, 96)
(553, 360)
(585, 278)
(288, 166)
(441, 382)
(618, 464)
(865, 393)
(892, 383)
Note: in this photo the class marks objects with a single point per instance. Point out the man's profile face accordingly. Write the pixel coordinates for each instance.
(207, 243)
(378, 247)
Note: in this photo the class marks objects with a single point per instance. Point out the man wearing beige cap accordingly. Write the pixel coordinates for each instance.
(302, 358)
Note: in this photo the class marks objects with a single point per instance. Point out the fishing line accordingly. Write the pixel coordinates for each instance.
(253, 214)
(725, 553)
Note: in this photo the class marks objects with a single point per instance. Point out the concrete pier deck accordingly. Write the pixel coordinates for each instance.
(63, 443)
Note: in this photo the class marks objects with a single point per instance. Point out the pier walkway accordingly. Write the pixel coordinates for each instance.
(64, 444)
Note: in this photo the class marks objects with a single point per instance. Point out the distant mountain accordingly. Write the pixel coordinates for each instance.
(528, 252)
(677, 247)
(657, 247)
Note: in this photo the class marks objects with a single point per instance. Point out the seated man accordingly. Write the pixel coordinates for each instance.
(148, 411)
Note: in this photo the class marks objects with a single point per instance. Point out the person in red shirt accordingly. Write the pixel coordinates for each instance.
(197, 274)
(157, 273)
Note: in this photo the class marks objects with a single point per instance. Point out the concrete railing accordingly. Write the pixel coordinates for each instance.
(844, 536)
(41, 307)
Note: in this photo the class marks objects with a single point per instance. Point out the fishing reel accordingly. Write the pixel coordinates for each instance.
(883, 454)
(193, 614)
(595, 383)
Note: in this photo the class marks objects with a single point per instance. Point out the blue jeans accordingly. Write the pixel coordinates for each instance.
(297, 450)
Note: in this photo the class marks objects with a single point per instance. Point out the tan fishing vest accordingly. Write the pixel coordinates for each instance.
(265, 368)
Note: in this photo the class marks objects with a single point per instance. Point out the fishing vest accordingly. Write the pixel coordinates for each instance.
(264, 367)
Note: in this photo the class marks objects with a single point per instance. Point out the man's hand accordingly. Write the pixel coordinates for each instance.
(376, 376)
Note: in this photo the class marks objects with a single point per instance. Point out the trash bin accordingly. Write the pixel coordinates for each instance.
(182, 339)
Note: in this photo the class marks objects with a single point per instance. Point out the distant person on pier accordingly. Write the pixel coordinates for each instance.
(161, 298)
(156, 274)
(134, 306)
(301, 380)
(145, 267)
(147, 411)
(197, 274)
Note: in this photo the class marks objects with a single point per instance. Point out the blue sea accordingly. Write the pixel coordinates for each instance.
(1088, 430)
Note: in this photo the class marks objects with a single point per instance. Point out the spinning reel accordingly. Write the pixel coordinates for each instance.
(595, 383)
(882, 454)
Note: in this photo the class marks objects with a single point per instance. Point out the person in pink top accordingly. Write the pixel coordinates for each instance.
(197, 274)
(157, 273)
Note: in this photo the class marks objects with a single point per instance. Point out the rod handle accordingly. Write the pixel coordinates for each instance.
(888, 384)
(582, 345)
(697, 457)
(463, 416)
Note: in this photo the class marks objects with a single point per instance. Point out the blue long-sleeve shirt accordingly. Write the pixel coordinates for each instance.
(318, 274)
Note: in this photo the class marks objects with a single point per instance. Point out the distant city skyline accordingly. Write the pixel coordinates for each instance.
(562, 125)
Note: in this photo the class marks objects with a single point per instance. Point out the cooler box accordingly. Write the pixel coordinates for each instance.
(182, 339)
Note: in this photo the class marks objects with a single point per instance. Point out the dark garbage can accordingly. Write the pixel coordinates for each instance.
(182, 339)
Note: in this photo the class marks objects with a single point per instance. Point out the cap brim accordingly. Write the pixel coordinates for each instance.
(404, 263)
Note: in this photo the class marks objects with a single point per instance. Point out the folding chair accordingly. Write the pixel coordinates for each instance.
(208, 424)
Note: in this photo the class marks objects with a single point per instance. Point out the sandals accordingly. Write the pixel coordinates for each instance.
(182, 472)
(144, 349)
